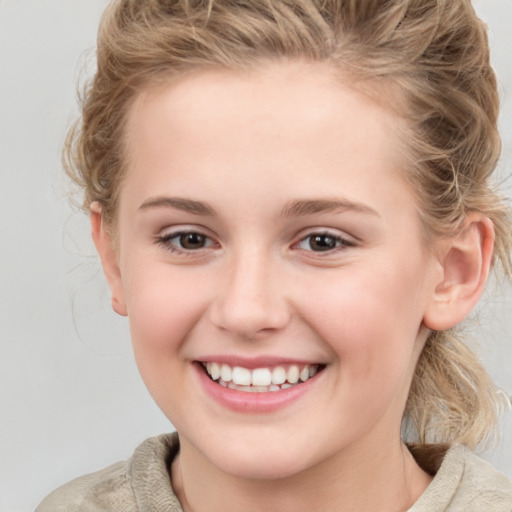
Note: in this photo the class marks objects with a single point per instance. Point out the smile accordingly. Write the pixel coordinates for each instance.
(260, 380)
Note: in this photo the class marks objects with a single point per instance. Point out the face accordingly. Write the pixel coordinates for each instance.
(271, 263)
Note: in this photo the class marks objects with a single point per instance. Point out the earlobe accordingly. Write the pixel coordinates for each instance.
(466, 261)
(103, 242)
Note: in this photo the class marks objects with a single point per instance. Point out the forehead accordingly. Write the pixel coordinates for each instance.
(278, 124)
(290, 88)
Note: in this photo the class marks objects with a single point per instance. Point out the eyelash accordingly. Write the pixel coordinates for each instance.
(339, 242)
(166, 242)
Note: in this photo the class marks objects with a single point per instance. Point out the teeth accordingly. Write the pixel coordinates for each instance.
(292, 375)
(214, 370)
(278, 375)
(241, 376)
(225, 373)
(261, 377)
(259, 380)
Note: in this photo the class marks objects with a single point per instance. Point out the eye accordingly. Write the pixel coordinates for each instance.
(323, 242)
(185, 241)
(190, 241)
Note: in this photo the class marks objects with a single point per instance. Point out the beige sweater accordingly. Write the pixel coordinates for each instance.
(464, 483)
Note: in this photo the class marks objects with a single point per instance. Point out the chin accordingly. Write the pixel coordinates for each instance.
(258, 462)
(261, 470)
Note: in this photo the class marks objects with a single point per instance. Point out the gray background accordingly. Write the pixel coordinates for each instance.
(71, 400)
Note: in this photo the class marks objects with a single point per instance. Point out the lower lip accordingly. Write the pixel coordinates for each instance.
(246, 402)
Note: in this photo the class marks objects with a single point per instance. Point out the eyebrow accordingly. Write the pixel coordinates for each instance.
(291, 209)
(311, 206)
(179, 203)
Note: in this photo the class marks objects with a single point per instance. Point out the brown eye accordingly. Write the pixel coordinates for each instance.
(322, 243)
(185, 241)
(192, 241)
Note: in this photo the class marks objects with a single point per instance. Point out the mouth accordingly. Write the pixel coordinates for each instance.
(260, 380)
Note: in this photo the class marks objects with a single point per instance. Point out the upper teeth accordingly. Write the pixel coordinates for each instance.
(260, 376)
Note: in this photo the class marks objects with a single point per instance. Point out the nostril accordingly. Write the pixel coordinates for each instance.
(248, 321)
(249, 302)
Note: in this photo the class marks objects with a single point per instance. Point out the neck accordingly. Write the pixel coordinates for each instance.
(385, 479)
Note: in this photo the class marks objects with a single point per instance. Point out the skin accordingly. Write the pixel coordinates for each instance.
(237, 143)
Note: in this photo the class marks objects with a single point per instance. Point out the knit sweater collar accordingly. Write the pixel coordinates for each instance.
(461, 479)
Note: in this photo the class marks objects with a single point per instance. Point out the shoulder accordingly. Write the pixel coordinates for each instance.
(107, 489)
(466, 483)
(125, 486)
(482, 486)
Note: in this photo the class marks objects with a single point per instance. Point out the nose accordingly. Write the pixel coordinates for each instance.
(252, 302)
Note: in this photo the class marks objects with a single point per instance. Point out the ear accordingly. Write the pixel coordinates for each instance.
(103, 242)
(466, 261)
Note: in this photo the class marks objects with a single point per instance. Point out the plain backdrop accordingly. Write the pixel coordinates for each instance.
(71, 400)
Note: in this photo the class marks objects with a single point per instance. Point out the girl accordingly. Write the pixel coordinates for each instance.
(291, 203)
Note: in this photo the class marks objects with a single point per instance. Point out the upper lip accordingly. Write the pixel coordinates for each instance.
(257, 362)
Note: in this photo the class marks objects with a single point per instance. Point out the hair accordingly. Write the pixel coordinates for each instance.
(432, 57)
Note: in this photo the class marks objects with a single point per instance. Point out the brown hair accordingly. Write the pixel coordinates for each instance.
(431, 56)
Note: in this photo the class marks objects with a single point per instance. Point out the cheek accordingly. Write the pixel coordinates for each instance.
(370, 319)
(163, 306)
